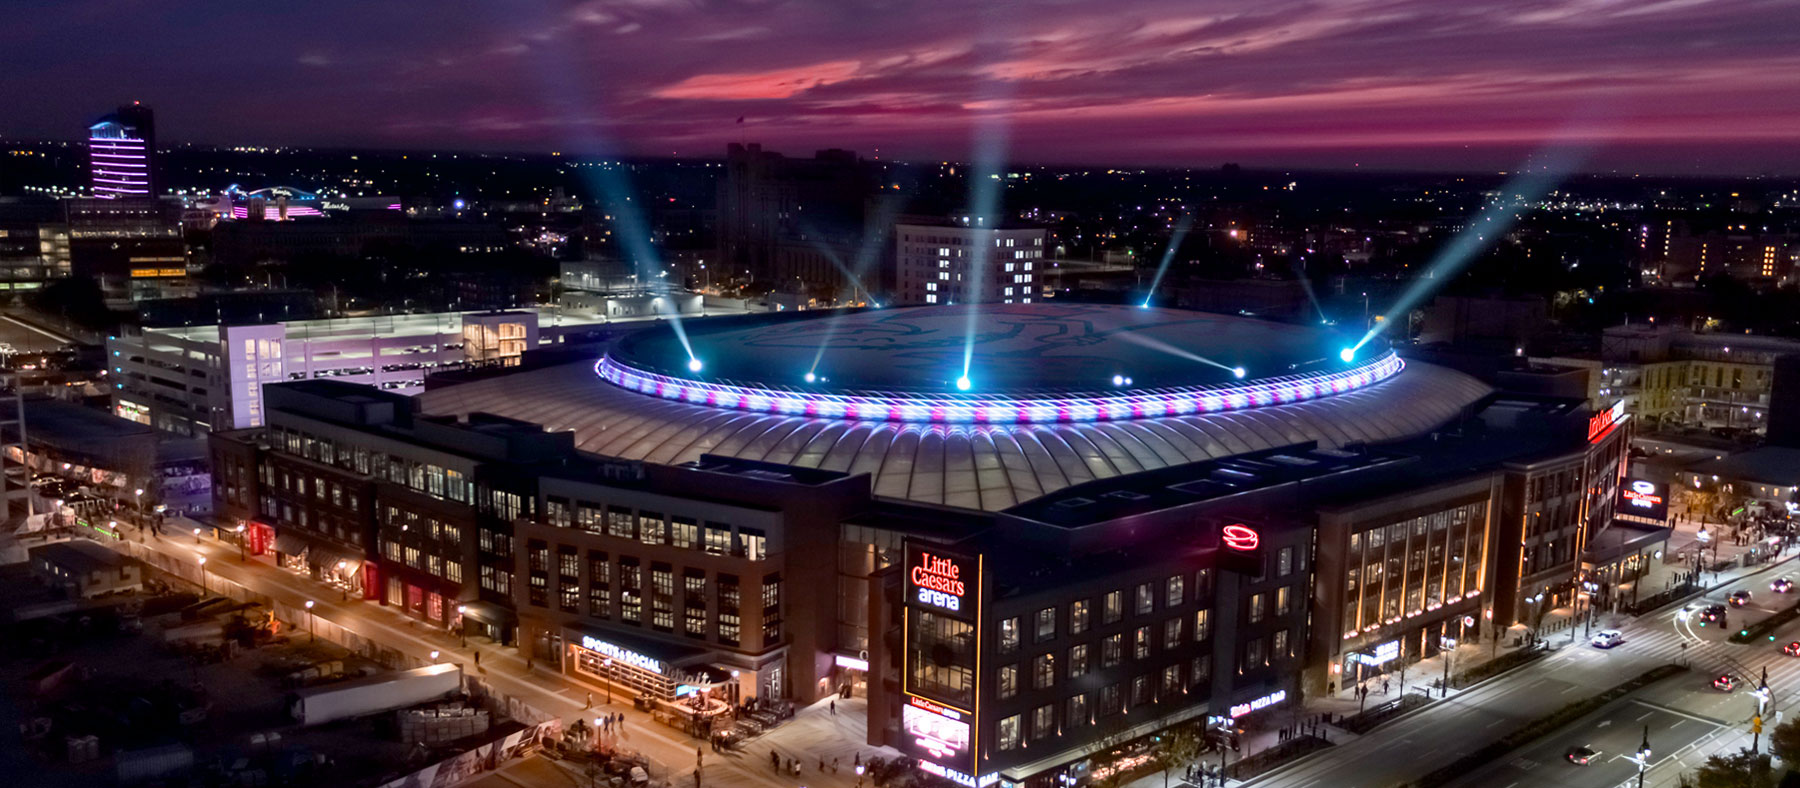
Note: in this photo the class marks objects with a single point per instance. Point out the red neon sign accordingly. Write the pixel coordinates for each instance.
(938, 574)
(1601, 424)
(1239, 537)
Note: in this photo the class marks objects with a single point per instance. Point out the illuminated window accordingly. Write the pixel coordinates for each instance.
(1173, 591)
(1009, 635)
(1008, 678)
(1172, 633)
(1146, 598)
(1078, 616)
(1043, 721)
(1113, 608)
(1046, 625)
(1140, 643)
(1043, 671)
(1078, 661)
(1202, 618)
(1007, 732)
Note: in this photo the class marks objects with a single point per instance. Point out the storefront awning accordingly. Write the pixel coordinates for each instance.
(328, 555)
(289, 544)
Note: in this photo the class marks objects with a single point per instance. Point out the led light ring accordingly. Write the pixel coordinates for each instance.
(949, 409)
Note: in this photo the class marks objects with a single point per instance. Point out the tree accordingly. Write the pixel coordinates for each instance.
(1739, 770)
(1784, 741)
(1180, 746)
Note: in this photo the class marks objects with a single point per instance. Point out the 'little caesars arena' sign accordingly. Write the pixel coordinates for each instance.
(934, 579)
(624, 655)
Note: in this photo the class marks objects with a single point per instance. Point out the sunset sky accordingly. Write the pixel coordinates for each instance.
(1658, 86)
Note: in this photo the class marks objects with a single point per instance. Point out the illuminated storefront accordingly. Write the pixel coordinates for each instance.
(633, 673)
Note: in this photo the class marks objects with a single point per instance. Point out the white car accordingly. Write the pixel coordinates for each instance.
(1607, 638)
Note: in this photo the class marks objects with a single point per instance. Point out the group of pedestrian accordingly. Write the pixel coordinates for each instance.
(780, 765)
(613, 721)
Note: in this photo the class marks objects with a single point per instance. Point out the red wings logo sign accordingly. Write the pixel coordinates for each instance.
(1239, 537)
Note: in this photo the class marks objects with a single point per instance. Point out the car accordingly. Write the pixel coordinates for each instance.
(1781, 585)
(1792, 649)
(1725, 683)
(1607, 638)
(1713, 613)
(1581, 756)
(1739, 598)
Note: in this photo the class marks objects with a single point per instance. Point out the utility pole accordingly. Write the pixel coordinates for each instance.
(1643, 757)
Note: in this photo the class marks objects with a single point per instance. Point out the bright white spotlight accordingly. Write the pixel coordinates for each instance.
(962, 383)
(1238, 371)
(1347, 354)
(694, 365)
(1118, 380)
(810, 377)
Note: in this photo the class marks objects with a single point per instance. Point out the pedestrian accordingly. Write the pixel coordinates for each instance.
(834, 766)
(1384, 686)
(478, 659)
(774, 761)
(834, 708)
(590, 701)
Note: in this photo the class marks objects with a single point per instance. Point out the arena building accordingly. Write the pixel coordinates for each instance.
(1055, 395)
(1033, 535)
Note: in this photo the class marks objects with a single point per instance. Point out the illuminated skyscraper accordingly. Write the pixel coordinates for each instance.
(122, 153)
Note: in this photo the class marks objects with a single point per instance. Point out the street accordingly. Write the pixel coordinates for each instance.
(1437, 735)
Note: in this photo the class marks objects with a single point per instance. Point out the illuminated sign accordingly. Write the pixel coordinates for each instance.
(1640, 499)
(940, 581)
(1601, 424)
(958, 777)
(936, 731)
(850, 662)
(1239, 537)
(1241, 709)
(624, 655)
(1380, 655)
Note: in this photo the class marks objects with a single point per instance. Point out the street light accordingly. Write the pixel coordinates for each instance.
(309, 620)
(196, 536)
(462, 631)
(202, 576)
(434, 656)
(1642, 759)
(242, 556)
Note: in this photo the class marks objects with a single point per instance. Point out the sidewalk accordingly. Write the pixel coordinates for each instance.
(812, 733)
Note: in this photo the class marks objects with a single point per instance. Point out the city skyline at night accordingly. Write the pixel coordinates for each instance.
(1669, 87)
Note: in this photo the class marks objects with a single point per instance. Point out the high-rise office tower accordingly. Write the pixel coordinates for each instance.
(122, 153)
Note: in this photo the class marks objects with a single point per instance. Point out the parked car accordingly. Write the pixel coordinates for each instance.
(1581, 756)
(1725, 683)
(1739, 598)
(1607, 638)
(1781, 585)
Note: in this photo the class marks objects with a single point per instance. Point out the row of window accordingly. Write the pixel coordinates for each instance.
(627, 576)
(1043, 671)
(654, 528)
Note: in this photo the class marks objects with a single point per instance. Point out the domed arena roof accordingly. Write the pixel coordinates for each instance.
(977, 407)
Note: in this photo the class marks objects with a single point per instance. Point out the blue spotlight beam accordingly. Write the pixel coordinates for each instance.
(1182, 225)
(1494, 220)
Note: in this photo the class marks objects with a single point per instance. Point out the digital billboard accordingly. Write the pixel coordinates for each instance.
(1641, 499)
(937, 732)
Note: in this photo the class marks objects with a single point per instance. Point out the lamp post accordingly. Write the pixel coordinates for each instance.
(137, 505)
(609, 680)
(462, 636)
(434, 656)
(196, 536)
(309, 620)
(1643, 757)
(242, 554)
(202, 576)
